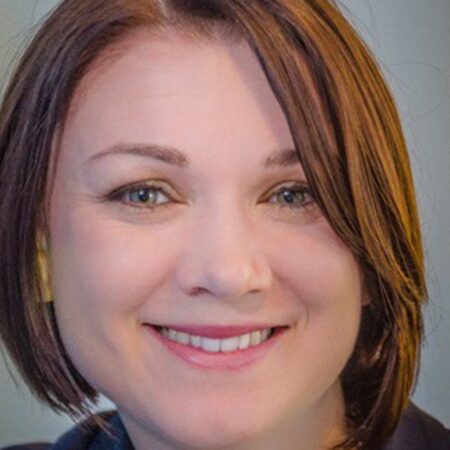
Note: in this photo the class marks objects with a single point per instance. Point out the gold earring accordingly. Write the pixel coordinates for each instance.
(43, 271)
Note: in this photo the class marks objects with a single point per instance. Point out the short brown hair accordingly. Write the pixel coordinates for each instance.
(349, 140)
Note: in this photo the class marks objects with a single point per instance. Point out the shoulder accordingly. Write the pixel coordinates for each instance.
(418, 431)
(87, 435)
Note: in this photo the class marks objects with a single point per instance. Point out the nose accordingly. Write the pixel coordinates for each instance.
(224, 259)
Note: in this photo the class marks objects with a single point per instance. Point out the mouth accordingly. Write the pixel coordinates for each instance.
(211, 339)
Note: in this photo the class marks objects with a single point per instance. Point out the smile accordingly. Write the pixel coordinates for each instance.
(217, 345)
(240, 347)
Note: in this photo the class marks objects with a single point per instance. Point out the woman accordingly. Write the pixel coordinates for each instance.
(207, 215)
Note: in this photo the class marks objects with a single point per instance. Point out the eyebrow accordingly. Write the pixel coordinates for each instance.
(168, 155)
(278, 158)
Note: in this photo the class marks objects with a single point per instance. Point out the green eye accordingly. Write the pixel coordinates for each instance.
(296, 196)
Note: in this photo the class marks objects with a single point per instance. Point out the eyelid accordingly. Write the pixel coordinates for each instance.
(154, 183)
(289, 182)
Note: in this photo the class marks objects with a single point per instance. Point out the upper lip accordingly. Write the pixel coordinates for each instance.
(217, 331)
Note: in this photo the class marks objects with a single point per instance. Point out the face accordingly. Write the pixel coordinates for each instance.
(177, 203)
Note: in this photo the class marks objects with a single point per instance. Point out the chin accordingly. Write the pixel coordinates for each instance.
(201, 428)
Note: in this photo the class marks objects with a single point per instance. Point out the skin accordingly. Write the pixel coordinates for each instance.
(224, 250)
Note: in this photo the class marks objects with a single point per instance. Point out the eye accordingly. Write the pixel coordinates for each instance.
(148, 196)
(292, 196)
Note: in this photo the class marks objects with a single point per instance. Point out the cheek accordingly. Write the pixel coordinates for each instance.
(324, 280)
(104, 263)
(320, 270)
(102, 273)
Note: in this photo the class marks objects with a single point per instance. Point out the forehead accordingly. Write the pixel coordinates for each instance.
(178, 91)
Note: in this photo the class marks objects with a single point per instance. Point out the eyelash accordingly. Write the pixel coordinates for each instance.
(117, 195)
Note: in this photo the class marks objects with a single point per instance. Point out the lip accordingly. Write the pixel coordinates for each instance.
(237, 359)
(218, 332)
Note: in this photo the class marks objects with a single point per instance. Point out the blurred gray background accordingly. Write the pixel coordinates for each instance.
(411, 39)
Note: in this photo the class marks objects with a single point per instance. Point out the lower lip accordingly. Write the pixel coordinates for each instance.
(221, 360)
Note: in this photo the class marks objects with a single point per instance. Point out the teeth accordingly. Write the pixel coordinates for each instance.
(196, 341)
(210, 345)
(218, 345)
(244, 341)
(183, 338)
(230, 344)
(172, 334)
(254, 337)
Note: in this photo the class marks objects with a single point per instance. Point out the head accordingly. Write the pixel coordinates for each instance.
(227, 83)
